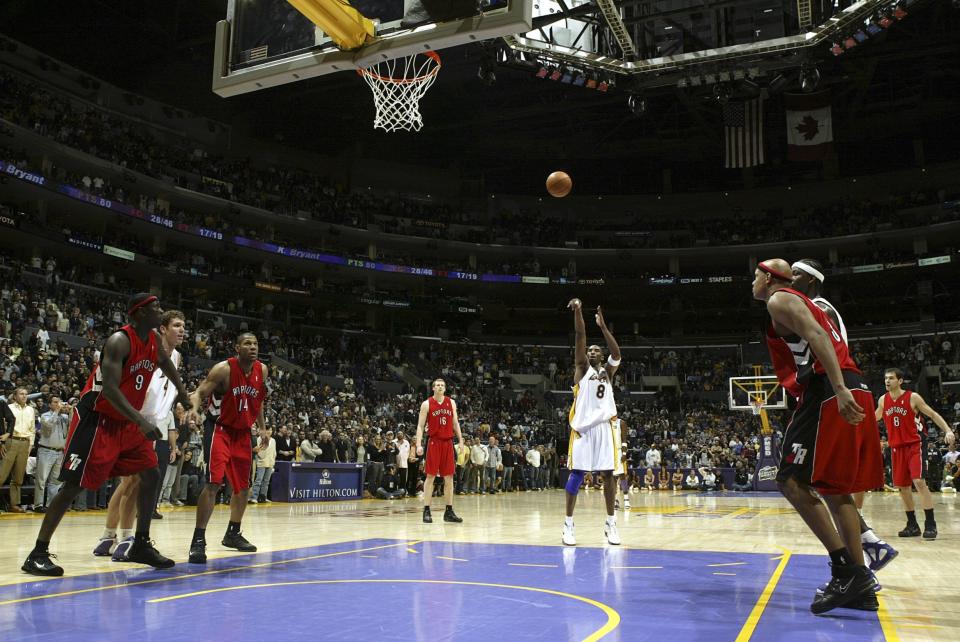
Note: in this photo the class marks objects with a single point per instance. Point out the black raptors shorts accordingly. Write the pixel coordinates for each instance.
(822, 450)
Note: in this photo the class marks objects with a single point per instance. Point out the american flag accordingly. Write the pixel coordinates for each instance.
(743, 133)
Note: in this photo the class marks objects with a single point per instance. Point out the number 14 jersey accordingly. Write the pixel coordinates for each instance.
(592, 400)
(240, 405)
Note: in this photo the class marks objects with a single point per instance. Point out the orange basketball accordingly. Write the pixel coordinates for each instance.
(559, 184)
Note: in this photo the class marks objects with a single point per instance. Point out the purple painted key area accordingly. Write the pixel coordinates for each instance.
(396, 590)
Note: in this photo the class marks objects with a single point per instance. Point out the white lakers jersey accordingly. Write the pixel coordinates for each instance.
(160, 393)
(842, 328)
(592, 400)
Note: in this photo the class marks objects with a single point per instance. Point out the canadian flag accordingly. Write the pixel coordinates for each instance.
(809, 126)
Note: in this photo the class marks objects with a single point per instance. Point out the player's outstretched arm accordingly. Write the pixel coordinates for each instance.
(921, 406)
(612, 345)
(421, 421)
(790, 312)
(580, 330)
(115, 352)
(217, 380)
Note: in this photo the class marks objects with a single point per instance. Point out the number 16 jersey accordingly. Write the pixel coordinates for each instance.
(592, 400)
(240, 405)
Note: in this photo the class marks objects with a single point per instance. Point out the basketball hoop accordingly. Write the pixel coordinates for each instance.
(398, 85)
(756, 405)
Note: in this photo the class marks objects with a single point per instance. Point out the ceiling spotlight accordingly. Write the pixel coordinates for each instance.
(637, 105)
(809, 78)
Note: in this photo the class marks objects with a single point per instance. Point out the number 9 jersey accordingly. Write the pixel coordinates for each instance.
(135, 377)
(592, 401)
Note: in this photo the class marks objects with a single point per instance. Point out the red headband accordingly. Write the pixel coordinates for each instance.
(780, 277)
(137, 306)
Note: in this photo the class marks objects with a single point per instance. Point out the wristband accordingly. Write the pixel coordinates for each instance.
(613, 362)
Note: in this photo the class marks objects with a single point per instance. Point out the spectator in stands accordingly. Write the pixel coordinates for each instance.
(403, 458)
(189, 479)
(308, 448)
(266, 454)
(377, 454)
(286, 444)
(491, 465)
(509, 459)
(653, 457)
(15, 446)
(534, 459)
(54, 425)
(691, 482)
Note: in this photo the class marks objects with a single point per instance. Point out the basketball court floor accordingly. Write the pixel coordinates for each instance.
(693, 566)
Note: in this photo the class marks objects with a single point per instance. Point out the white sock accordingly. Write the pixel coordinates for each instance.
(109, 533)
(125, 533)
(568, 521)
(869, 537)
(612, 519)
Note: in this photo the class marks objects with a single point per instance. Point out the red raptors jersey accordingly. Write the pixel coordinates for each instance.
(240, 404)
(904, 426)
(440, 419)
(138, 369)
(794, 361)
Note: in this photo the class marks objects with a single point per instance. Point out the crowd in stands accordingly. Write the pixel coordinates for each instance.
(288, 191)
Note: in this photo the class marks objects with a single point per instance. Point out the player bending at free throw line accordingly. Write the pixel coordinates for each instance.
(808, 278)
(594, 435)
(901, 409)
(439, 415)
(831, 445)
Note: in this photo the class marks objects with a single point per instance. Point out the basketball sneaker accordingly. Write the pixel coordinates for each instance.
(239, 542)
(198, 552)
(626, 503)
(877, 587)
(450, 516)
(143, 552)
(879, 554)
(569, 539)
(105, 547)
(930, 530)
(911, 530)
(41, 564)
(427, 516)
(849, 584)
(616, 504)
(122, 549)
(611, 533)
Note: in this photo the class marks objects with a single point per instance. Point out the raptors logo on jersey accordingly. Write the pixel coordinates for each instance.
(904, 426)
(135, 377)
(440, 419)
(240, 405)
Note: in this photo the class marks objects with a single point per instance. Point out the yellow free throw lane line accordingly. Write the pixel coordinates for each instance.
(613, 618)
(886, 622)
(190, 575)
(751, 624)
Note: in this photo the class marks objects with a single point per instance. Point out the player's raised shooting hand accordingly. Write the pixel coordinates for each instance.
(574, 304)
(849, 409)
(949, 438)
(600, 322)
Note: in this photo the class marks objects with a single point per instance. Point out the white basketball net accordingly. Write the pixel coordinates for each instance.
(398, 85)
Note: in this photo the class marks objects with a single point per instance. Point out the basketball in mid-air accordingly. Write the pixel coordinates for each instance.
(559, 184)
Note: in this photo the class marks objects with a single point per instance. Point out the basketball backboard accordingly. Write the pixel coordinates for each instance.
(266, 43)
(745, 392)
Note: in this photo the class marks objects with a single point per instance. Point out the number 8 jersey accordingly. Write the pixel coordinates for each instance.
(135, 377)
(592, 400)
(240, 405)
